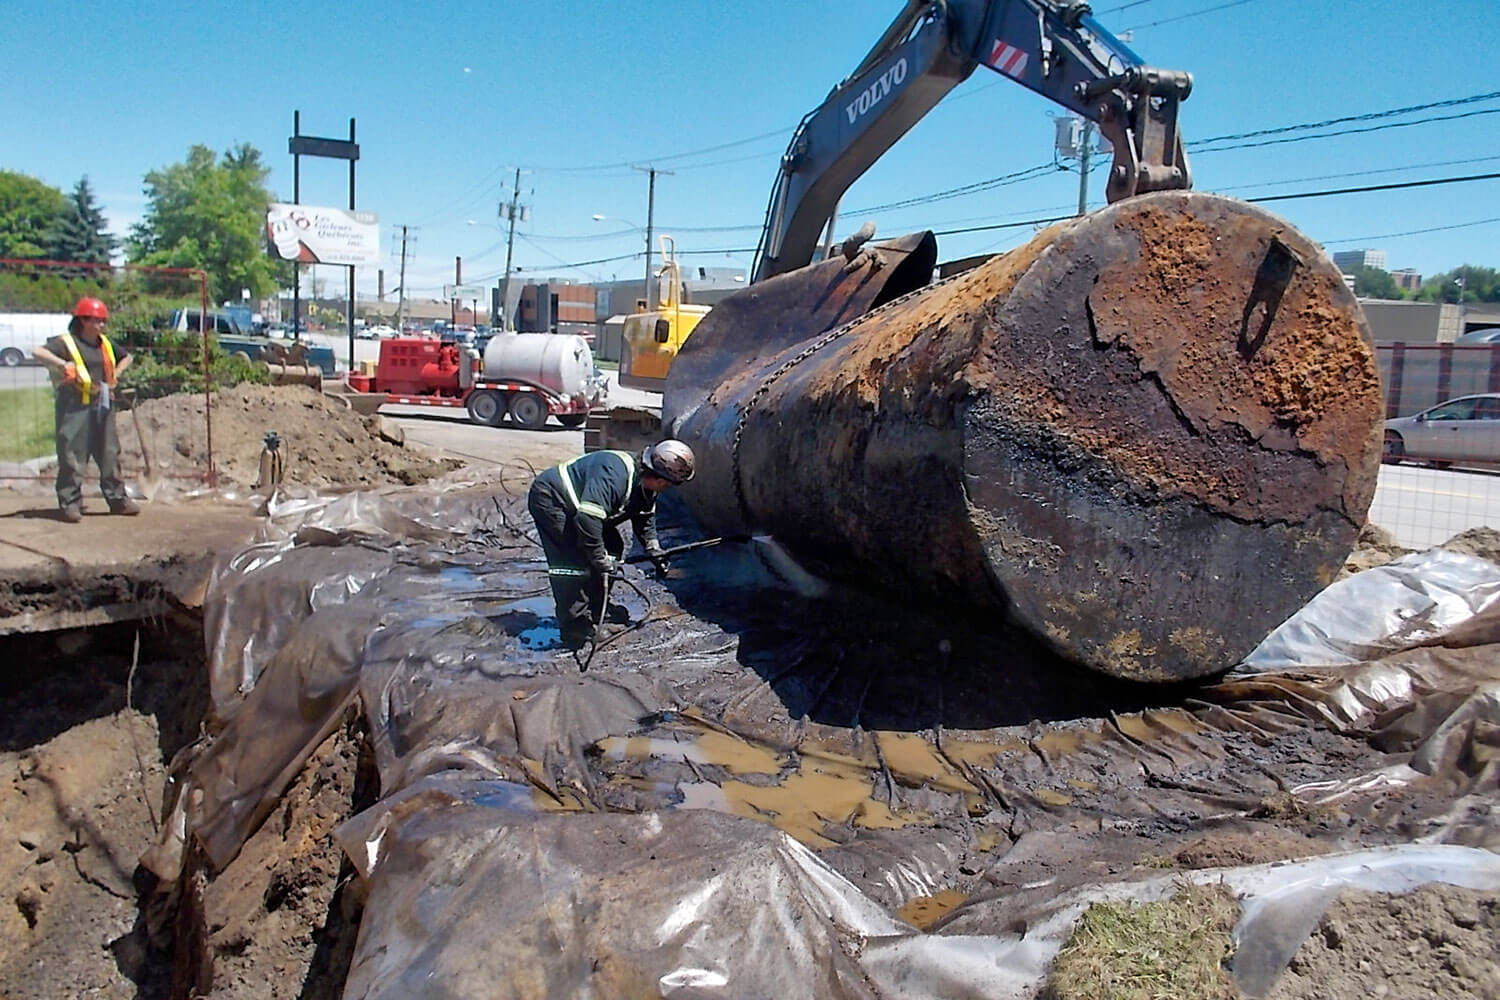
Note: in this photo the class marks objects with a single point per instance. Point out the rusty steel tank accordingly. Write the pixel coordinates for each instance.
(1148, 436)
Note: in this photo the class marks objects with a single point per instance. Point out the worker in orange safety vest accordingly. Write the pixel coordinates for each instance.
(85, 368)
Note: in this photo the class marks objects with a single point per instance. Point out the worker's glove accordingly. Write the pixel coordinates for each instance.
(70, 373)
(658, 559)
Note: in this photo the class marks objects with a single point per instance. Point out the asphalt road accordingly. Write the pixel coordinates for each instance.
(450, 431)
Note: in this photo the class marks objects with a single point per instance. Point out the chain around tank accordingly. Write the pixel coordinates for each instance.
(794, 361)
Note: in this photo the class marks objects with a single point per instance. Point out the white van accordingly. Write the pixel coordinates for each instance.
(22, 333)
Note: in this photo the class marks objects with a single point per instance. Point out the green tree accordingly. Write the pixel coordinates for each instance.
(1480, 284)
(79, 231)
(28, 211)
(209, 212)
(1375, 283)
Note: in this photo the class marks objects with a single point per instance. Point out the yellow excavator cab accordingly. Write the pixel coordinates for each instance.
(651, 339)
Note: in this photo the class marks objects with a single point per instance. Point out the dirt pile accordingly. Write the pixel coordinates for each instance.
(1439, 941)
(323, 443)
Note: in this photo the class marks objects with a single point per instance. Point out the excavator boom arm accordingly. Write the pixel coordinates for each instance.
(1053, 48)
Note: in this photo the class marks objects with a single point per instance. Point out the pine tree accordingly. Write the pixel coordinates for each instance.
(79, 233)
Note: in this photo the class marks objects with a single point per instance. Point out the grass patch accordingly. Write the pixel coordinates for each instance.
(26, 424)
(1166, 950)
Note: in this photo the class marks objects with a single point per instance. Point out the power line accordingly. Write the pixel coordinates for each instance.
(781, 132)
(1125, 6)
(1368, 116)
(986, 185)
(1376, 187)
(1348, 131)
(446, 213)
(1044, 221)
(1363, 173)
(1413, 232)
(1184, 17)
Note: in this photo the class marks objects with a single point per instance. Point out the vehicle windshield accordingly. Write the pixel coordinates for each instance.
(1456, 409)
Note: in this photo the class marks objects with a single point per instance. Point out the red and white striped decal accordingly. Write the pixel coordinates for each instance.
(1007, 58)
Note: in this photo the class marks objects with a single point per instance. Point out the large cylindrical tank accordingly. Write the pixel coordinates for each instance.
(558, 362)
(1148, 436)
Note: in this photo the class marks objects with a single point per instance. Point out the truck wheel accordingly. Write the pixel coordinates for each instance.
(572, 419)
(528, 411)
(10, 357)
(486, 407)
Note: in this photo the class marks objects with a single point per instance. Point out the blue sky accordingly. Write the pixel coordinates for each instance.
(451, 97)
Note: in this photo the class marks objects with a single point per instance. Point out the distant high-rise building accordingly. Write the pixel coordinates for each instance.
(1349, 261)
(1407, 279)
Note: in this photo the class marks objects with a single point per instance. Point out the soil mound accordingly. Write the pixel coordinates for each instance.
(1439, 941)
(323, 443)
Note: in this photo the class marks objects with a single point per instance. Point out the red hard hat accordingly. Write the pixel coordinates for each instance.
(94, 308)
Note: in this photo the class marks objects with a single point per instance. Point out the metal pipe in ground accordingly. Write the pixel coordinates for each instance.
(1149, 435)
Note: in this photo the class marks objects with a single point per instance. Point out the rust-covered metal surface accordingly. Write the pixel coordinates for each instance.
(1149, 435)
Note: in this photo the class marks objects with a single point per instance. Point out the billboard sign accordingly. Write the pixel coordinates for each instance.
(315, 235)
(465, 292)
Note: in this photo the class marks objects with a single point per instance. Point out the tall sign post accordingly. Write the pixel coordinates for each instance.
(300, 145)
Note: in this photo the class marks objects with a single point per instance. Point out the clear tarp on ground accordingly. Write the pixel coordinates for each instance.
(750, 792)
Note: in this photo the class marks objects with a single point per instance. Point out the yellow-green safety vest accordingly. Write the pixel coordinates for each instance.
(592, 508)
(86, 381)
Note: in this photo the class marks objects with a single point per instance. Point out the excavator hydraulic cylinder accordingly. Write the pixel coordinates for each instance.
(1148, 435)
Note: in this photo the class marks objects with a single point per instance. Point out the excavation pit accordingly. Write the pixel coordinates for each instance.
(421, 795)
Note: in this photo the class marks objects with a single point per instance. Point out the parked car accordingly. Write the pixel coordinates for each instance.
(1479, 338)
(1464, 431)
(381, 331)
(185, 320)
(22, 333)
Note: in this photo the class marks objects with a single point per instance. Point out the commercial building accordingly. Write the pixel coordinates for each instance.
(1350, 261)
(1407, 279)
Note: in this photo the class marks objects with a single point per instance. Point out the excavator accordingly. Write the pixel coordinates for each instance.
(1146, 437)
(1055, 49)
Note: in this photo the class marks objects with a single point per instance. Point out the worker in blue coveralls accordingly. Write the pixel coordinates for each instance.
(578, 507)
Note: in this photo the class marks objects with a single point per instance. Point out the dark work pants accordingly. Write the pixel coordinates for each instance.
(83, 433)
(577, 589)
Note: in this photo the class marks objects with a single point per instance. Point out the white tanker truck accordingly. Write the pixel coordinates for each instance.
(529, 376)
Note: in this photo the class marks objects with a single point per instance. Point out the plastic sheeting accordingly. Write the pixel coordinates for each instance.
(1407, 602)
(745, 788)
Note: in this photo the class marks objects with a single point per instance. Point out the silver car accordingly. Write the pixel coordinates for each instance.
(1462, 431)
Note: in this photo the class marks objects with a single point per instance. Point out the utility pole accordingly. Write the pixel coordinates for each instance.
(401, 300)
(650, 212)
(458, 279)
(1084, 155)
(510, 243)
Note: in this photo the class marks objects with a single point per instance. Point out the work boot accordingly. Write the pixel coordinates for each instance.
(128, 507)
(576, 638)
(70, 513)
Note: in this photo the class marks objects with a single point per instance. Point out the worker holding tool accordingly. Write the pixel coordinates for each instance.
(84, 370)
(578, 507)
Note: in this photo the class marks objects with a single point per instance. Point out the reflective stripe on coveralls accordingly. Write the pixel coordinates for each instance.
(594, 509)
(85, 381)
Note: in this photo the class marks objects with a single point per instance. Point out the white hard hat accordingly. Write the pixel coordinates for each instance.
(671, 460)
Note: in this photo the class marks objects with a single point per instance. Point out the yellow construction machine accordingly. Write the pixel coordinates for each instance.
(652, 338)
